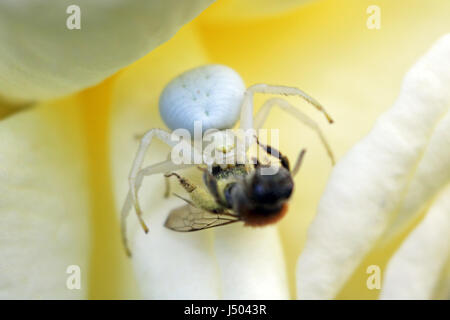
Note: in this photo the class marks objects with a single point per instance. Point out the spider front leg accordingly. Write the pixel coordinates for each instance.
(136, 175)
(247, 106)
(161, 167)
(246, 120)
(263, 113)
(137, 164)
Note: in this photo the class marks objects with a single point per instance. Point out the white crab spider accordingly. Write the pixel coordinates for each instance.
(216, 96)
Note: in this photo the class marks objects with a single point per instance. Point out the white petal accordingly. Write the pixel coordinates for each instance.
(420, 269)
(41, 58)
(44, 224)
(432, 174)
(367, 186)
(252, 263)
(170, 265)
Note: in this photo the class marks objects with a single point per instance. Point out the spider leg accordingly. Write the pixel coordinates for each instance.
(247, 106)
(137, 164)
(167, 180)
(160, 167)
(263, 113)
(136, 173)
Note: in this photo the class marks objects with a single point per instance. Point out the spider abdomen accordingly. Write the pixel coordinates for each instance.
(211, 94)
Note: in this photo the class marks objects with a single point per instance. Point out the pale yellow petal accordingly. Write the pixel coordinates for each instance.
(41, 58)
(44, 204)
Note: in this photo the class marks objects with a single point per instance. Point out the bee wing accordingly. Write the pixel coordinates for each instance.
(188, 218)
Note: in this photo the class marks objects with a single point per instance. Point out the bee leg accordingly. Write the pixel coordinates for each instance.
(200, 197)
(167, 182)
(275, 153)
(189, 187)
(167, 189)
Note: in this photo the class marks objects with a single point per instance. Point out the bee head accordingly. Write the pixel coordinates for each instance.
(270, 188)
(262, 198)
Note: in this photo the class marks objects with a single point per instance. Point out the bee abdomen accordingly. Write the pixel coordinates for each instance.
(262, 216)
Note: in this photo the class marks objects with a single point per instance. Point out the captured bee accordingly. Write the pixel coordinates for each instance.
(240, 192)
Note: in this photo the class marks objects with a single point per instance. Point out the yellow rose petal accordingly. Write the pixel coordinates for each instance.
(42, 58)
(420, 269)
(326, 49)
(44, 205)
(226, 11)
(432, 174)
(368, 185)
